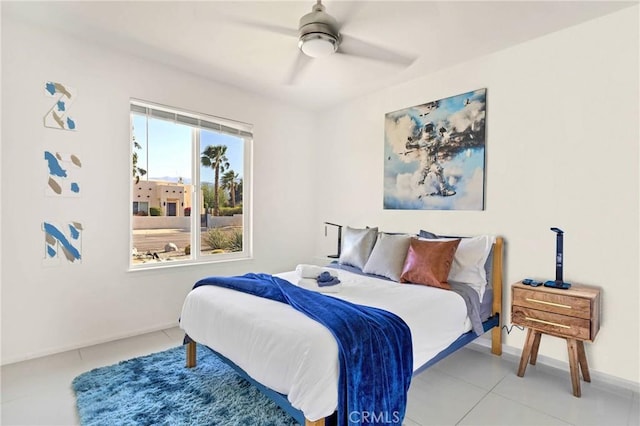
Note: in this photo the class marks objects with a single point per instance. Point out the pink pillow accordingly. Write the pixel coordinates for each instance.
(429, 262)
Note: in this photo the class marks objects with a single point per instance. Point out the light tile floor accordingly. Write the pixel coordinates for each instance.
(470, 387)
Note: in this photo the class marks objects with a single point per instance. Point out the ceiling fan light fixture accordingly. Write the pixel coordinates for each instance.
(317, 45)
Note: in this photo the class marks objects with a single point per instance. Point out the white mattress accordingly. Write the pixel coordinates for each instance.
(292, 354)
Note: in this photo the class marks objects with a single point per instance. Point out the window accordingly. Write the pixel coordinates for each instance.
(140, 208)
(189, 175)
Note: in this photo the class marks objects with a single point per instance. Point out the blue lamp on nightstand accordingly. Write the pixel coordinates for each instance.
(558, 283)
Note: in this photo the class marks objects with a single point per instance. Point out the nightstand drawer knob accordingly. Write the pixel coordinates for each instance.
(546, 322)
(548, 303)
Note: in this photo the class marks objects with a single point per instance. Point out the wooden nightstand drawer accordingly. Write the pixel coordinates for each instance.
(550, 302)
(573, 313)
(551, 323)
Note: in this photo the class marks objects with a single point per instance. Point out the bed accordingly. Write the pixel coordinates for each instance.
(261, 339)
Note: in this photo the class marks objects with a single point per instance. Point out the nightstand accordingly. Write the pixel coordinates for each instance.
(572, 314)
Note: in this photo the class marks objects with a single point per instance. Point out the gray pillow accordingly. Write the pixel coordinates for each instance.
(357, 245)
(388, 256)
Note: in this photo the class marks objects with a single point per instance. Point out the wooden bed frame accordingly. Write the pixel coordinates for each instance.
(494, 323)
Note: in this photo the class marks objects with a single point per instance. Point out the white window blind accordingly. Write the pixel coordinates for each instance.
(217, 124)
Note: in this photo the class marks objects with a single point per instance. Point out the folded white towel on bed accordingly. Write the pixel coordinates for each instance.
(312, 284)
(311, 271)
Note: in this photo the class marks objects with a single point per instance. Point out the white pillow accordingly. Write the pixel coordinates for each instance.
(388, 256)
(469, 260)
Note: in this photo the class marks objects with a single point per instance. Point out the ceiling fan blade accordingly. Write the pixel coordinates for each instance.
(355, 47)
(344, 12)
(292, 32)
(299, 65)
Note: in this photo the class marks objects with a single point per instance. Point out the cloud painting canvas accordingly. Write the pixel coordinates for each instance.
(435, 154)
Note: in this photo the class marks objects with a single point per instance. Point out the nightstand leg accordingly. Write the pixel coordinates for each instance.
(534, 349)
(572, 347)
(526, 352)
(582, 359)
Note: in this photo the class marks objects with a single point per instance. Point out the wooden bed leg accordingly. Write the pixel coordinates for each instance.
(496, 341)
(191, 354)
(496, 333)
(315, 423)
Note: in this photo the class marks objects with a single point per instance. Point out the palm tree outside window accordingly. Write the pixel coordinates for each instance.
(230, 183)
(214, 157)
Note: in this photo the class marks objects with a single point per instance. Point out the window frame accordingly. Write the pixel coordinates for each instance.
(198, 122)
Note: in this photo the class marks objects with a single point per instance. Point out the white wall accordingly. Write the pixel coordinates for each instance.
(562, 150)
(47, 310)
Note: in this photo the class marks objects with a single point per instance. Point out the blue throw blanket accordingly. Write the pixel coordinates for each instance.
(374, 347)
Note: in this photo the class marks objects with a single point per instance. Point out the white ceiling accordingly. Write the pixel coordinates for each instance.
(226, 40)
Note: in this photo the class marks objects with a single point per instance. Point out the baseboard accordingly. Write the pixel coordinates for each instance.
(598, 378)
(57, 350)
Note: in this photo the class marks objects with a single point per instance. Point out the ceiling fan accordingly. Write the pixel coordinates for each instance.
(319, 35)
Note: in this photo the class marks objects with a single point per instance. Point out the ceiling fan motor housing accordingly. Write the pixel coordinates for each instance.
(318, 25)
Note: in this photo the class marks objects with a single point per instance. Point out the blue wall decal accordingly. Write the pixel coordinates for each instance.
(63, 174)
(58, 117)
(62, 242)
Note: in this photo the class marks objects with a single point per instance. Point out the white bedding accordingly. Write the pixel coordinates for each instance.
(292, 354)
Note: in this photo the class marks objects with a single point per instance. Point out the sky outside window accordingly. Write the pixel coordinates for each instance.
(166, 155)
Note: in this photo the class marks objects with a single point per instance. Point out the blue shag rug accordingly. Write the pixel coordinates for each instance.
(158, 389)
